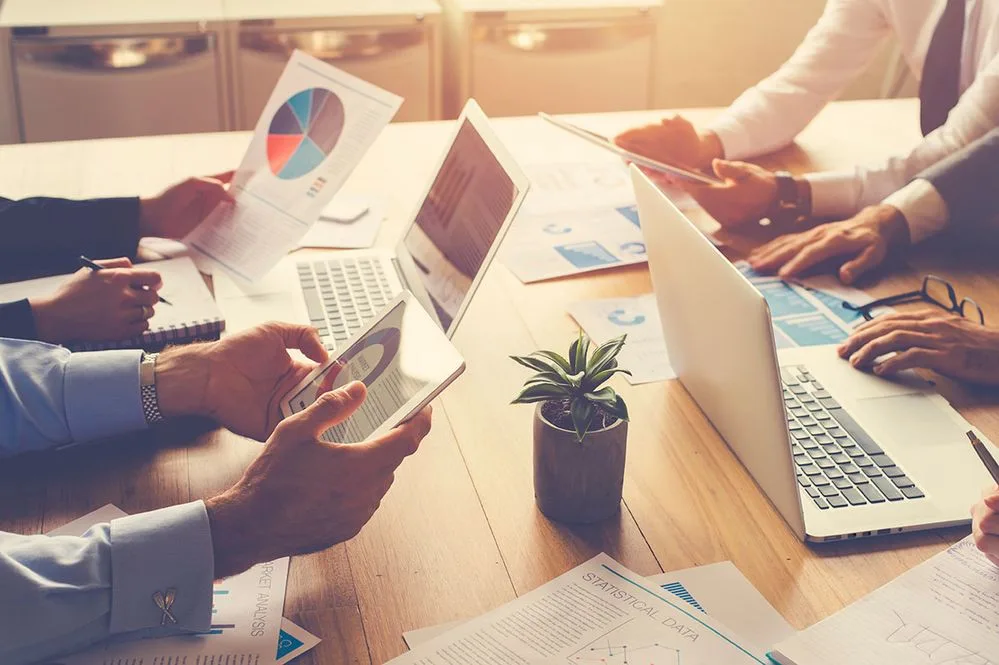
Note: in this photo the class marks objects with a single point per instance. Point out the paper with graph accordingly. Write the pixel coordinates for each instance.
(944, 612)
(600, 613)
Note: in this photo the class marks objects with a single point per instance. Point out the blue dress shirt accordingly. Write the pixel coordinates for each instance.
(62, 594)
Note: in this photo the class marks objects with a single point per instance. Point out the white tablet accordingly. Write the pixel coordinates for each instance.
(403, 358)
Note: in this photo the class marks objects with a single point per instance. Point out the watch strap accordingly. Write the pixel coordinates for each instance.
(147, 390)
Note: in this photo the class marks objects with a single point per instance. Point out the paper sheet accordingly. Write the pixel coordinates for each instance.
(599, 612)
(943, 612)
(314, 130)
(644, 352)
(293, 641)
(346, 223)
(246, 618)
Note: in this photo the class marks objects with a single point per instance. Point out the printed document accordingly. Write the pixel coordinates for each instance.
(944, 612)
(316, 127)
(599, 612)
(644, 353)
(246, 618)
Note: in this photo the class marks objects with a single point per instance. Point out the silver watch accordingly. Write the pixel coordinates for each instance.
(147, 388)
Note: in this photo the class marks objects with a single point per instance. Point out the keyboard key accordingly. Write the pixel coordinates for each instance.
(806, 399)
(811, 470)
(912, 493)
(816, 453)
(854, 496)
(825, 418)
(893, 471)
(903, 482)
(822, 438)
(872, 472)
(831, 448)
(821, 503)
(802, 458)
(833, 473)
(800, 434)
(807, 421)
(820, 393)
(821, 481)
(857, 478)
(813, 407)
(888, 489)
(849, 468)
(871, 493)
(838, 502)
(812, 492)
(829, 403)
(798, 389)
(863, 462)
(815, 430)
(833, 429)
(843, 483)
(829, 490)
(799, 412)
(825, 463)
(804, 481)
(840, 458)
(882, 460)
(854, 429)
(855, 452)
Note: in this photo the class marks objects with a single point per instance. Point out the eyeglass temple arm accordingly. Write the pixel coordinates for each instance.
(882, 302)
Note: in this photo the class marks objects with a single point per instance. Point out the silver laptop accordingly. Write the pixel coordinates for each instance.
(452, 237)
(839, 452)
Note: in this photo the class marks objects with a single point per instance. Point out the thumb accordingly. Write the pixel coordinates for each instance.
(330, 409)
(869, 259)
(992, 500)
(224, 178)
(737, 171)
(122, 262)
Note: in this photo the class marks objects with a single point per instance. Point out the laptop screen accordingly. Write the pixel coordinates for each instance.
(463, 213)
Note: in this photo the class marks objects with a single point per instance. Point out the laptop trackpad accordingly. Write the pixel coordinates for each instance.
(912, 420)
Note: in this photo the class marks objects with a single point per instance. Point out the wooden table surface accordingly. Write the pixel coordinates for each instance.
(459, 533)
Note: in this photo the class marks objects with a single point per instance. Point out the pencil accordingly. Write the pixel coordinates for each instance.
(88, 263)
(985, 456)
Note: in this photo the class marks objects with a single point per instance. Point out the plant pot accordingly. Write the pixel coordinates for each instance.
(578, 483)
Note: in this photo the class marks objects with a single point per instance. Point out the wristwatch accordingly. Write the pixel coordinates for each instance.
(793, 203)
(147, 388)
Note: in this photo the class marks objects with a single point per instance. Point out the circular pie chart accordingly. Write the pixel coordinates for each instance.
(303, 132)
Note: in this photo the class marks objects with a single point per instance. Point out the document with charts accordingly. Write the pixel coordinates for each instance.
(644, 353)
(943, 612)
(317, 125)
(599, 613)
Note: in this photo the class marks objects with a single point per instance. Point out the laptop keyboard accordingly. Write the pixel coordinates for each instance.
(838, 464)
(341, 295)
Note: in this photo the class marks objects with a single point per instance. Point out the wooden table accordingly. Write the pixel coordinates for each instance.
(459, 533)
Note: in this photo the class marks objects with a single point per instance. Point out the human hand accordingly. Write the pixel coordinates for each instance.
(985, 524)
(945, 343)
(303, 495)
(746, 196)
(859, 245)
(98, 305)
(673, 141)
(238, 381)
(178, 210)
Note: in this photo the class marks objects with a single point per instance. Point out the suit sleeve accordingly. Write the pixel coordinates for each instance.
(46, 236)
(17, 321)
(968, 180)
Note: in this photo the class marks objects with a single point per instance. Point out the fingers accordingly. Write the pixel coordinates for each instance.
(139, 278)
(121, 262)
(225, 178)
(869, 259)
(733, 171)
(138, 298)
(303, 338)
(401, 442)
(880, 327)
(898, 340)
(992, 500)
(329, 409)
(814, 254)
(911, 359)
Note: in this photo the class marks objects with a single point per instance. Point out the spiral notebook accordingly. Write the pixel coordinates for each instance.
(192, 316)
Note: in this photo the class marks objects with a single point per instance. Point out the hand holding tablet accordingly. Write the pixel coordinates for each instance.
(403, 358)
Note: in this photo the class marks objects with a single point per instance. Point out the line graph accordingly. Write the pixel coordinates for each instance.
(631, 643)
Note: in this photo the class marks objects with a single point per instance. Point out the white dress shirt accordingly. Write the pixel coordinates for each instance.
(842, 44)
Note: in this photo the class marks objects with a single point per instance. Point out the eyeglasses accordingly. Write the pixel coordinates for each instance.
(935, 291)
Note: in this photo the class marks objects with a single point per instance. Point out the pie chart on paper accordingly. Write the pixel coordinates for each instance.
(303, 132)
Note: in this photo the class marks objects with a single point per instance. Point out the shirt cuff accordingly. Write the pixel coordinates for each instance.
(17, 321)
(736, 142)
(922, 206)
(834, 193)
(154, 553)
(102, 394)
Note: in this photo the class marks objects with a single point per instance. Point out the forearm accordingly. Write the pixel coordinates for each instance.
(63, 594)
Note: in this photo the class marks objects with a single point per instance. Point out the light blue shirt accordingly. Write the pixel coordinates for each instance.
(62, 594)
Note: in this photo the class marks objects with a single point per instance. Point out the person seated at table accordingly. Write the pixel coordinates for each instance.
(950, 45)
(63, 594)
(985, 526)
(46, 236)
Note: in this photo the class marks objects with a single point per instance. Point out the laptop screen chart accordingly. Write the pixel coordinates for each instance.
(459, 220)
(303, 132)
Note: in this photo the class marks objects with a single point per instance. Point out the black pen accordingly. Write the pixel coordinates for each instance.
(985, 456)
(87, 263)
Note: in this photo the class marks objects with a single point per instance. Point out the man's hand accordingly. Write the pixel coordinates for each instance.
(239, 380)
(985, 524)
(674, 141)
(178, 210)
(944, 343)
(858, 245)
(98, 306)
(303, 495)
(746, 196)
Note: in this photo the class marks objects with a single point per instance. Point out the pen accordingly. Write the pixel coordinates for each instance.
(985, 455)
(87, 263)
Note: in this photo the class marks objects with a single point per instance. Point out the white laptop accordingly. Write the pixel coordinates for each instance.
(840, 453)
(455, 230)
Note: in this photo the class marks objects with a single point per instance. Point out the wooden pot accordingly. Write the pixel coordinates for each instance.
(578, 483)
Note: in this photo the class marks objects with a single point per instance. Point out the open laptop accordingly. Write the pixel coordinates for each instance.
(455, 230)
(839, 452)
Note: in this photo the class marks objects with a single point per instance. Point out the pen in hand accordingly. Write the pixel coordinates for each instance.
(88, 263)
(985, 456)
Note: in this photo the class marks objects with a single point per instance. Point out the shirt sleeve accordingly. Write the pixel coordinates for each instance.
(50, 397)
(924, 209)
(842, 193)
(63, 594)
(17, 321)
(771, 114)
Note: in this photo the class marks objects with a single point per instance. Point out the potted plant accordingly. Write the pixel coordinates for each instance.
(580, 430)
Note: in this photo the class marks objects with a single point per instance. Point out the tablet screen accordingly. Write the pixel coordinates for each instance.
(402, 358)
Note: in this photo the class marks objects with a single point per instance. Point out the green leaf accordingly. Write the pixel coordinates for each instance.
(618, 409)
(540, 392)
(582, 413)
(605, 354)
(536, 364)
(577, 353)
(604, 396)
(561, 362)
(549, 377)
(596, 380)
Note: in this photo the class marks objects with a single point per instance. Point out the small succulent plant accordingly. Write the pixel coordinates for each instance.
(575, 383)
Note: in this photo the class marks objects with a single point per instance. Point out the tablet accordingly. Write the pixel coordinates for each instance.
(641, 160)
(403, 358)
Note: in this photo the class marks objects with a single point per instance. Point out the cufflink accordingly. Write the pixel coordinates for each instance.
(165, 603)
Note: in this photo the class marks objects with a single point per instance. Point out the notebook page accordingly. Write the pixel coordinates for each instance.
(944, 612)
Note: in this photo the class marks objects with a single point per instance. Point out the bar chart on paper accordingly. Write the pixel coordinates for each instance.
(303, 132)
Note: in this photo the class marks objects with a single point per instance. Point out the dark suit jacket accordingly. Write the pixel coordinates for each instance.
(43, 236)
(968, 181)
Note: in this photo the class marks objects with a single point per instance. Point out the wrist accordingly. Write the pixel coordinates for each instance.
(892, 225)
(236, 541)
(791, 203)
(148, 228)
(182, 381)
(48, 325)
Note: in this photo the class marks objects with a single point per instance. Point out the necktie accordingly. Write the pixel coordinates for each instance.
(940, 87)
